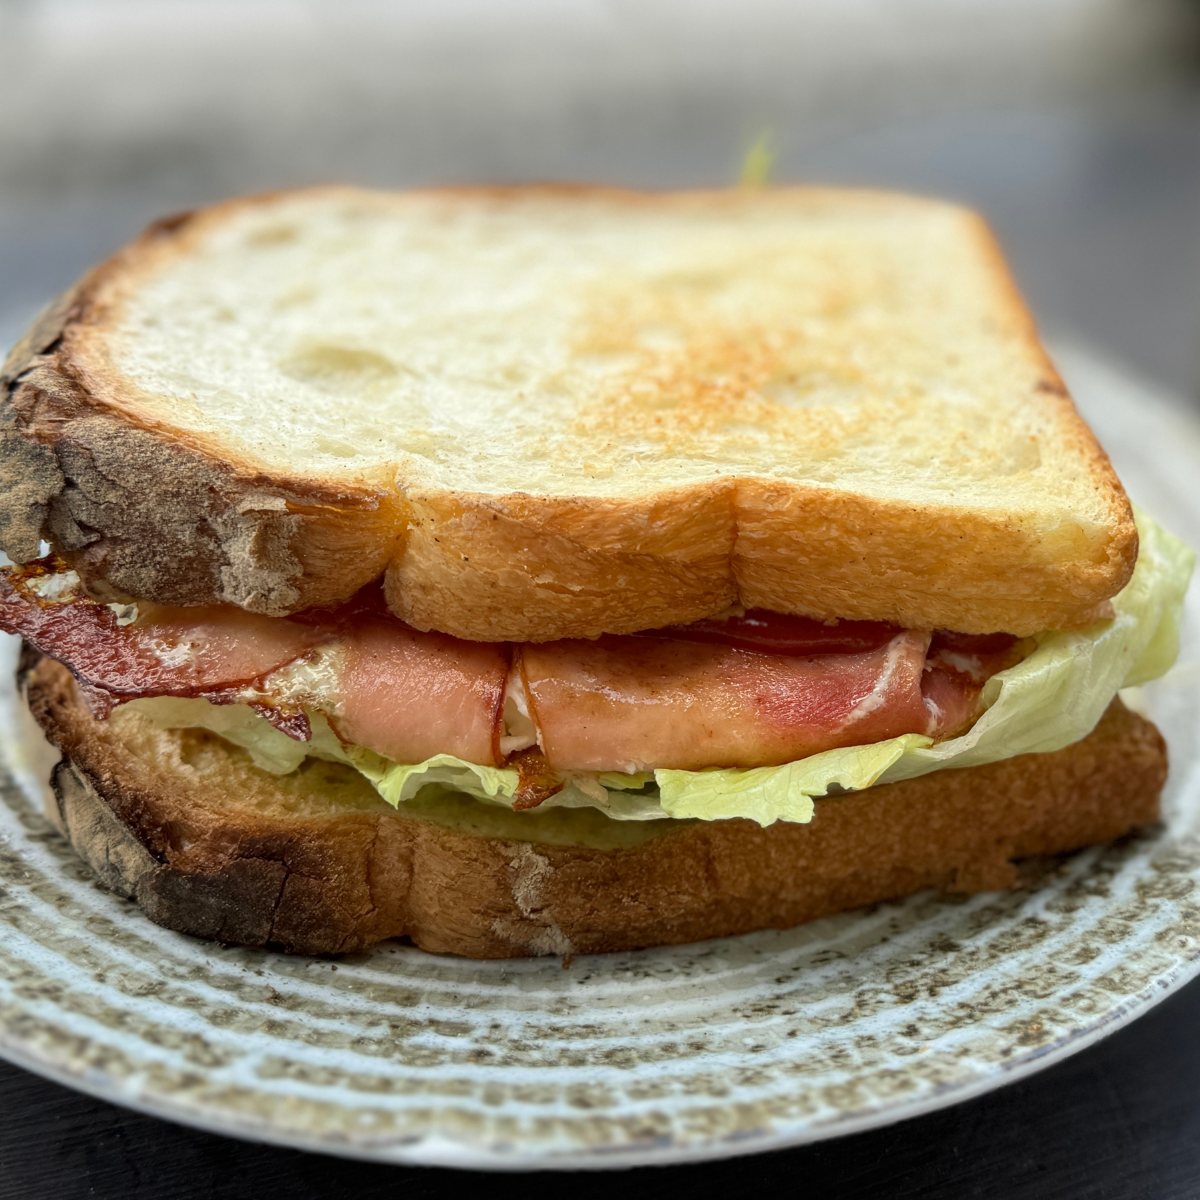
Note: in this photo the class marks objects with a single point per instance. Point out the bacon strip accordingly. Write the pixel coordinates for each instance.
(628, 703)
(409, 695)
(404, 694)
(166, 652)
(536, 780)
(783, 633)
(756, 690)
(956, 669)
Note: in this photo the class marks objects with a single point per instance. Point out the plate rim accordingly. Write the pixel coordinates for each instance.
(445, 1153)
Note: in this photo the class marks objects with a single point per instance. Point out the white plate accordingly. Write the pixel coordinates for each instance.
(727, 1047)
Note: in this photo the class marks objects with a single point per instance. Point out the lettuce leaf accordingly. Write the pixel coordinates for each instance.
(1051, 699)
(1059, 693)
(770, 794)
(610, 792)
(397, 782)
(269, 748)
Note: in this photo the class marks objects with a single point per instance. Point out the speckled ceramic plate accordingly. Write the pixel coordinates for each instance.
(726, 1047)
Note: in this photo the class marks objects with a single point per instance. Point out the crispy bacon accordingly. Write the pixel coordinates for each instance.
(536, 779)
(165, 652)
(294, 722)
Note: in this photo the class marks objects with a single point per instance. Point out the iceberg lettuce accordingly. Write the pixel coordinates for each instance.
(618, 796)
(269, 748)
(398, 782)
(1059, 693)
(1051, 699)
(770, 794)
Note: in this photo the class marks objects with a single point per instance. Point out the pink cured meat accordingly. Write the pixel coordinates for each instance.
(404, 694)
(617, 704)
(952, 699)
(167, 652)
(409, 695)
(625, 703)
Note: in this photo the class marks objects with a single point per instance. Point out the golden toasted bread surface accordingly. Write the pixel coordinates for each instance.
(559, 412)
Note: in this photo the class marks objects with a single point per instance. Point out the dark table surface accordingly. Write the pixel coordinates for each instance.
(1099, 209)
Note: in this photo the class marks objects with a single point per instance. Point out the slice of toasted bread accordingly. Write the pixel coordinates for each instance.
(560, 412)
(316, 862)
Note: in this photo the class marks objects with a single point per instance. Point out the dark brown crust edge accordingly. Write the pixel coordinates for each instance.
(139, 512)
(342, 879)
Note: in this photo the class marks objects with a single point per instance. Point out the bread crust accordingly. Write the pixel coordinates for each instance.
(146, 513)
(315, 863)
(146, 510)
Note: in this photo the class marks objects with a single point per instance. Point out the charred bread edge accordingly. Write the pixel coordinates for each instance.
(141, 513)
(156, 514)
(342, 881)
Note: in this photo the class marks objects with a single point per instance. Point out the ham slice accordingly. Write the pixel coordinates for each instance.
(409, 695)
(632, 703)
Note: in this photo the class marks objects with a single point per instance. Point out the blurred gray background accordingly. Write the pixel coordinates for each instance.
(1073, 124)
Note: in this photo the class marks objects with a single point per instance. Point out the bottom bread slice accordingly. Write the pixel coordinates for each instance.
(315, 862)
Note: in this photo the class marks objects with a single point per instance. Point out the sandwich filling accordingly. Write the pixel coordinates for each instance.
(751, 714)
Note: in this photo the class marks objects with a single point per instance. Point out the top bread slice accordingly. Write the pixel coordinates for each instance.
(558, 412)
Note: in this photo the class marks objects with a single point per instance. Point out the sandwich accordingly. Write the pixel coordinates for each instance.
(562, 570)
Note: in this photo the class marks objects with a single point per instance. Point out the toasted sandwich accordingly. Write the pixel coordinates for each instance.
(560, 570)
